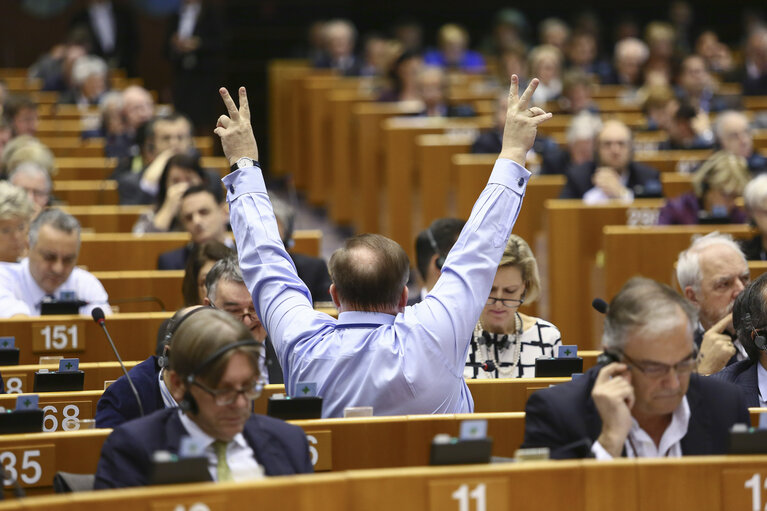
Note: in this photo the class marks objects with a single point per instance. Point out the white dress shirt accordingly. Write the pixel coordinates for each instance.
(103, 21)
(639, 444)
(20, 294)
(188, 19)
(411, 363)
(239, 456)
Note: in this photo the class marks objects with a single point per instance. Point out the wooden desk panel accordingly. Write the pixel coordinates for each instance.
(86, 193)
(106, 218)
(131, 290)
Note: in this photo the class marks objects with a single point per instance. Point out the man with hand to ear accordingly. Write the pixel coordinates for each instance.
(646, 402)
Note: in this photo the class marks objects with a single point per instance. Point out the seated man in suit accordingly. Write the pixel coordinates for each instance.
(645, 403)
(749, 317)
(205, 218)
(733, 133)
(312, 270)
(614, 175)
(49, 274)
(213, 375)
(118, 403)
(431, 248)
(711, 274)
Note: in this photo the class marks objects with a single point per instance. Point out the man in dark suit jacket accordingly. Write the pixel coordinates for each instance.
(646, 403)
(614, 175)
(214, 376)
(113, 33)
(118, 403)
(749, 318)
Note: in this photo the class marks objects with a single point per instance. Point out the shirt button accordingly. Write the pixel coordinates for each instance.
(231, 188)
(520, 183)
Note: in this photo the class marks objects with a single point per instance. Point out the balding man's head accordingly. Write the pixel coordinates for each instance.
(138, 106)
(734, 133)
(614, 145)
(369, 273)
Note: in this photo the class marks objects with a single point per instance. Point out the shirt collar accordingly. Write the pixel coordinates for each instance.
(167, 397)
(34, 292)
(204, 439)
(674, 433)
(356, 317)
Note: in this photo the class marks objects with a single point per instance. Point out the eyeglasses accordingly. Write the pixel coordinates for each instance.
(19, 229)
(658, 370)
(226, 397)
(506, 302)
(238, 314)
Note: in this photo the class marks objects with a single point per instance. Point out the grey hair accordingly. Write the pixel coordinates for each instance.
(755, 192)
(286, 216)
(688, 272)
(227, 268)
(14, 203)
(111, 99)
(31, 168)
(723, 117)
(646, 307)
(583, 126)
(57, 219)
(629, 44)
(86, 66)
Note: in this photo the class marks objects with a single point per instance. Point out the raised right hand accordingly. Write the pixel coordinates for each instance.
(716, 348)
(613, 397)
(521, 122)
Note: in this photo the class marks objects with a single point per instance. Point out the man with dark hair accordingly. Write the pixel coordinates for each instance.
(213, 375)
(118, 402)
(749, 317)
(645, 402)
(379, 353)
(431, 248)
(203, 216)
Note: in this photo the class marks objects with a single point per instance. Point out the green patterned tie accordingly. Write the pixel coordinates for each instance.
(222, 467)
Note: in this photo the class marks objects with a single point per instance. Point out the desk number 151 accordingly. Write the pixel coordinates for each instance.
(56, 336)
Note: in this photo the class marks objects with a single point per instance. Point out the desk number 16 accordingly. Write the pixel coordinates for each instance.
(755, 483)
(56, 336)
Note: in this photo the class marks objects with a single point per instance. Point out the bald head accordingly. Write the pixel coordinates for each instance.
(614, 145)
(734, 133)
(138, 106)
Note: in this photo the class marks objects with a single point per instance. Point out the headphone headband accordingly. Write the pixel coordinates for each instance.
(218, 353)
(434, 246)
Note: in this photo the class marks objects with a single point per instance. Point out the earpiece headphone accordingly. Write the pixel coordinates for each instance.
(170, 329)
(189, 403)
(440, 262)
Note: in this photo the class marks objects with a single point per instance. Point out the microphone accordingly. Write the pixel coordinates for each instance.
(98, 316)
(599, 305)
(489, 365)
(18, 491)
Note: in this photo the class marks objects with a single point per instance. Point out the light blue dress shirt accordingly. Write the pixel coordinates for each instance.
(411, 363)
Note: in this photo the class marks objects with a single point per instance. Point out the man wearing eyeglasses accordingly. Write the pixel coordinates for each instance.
(646, 402)
(214, 376)
(226, 291)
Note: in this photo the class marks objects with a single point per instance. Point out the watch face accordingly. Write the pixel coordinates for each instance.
(244, 162)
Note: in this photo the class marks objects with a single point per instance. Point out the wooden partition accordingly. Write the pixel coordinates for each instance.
(86, 192)
(713, 483)
(143, 290)
(651, 251)
(128, 252)
(100, 168)
(280, 141)
(574, 233)
(106, 218)
(20, 379)
(134, 334)
(674, 161)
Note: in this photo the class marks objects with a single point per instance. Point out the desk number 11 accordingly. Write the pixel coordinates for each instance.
(755, 483)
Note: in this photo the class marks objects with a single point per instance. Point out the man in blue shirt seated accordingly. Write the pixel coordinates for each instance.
(379, 353)
(213, 375)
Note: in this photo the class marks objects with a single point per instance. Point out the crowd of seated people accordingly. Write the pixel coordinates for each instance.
(250, 315)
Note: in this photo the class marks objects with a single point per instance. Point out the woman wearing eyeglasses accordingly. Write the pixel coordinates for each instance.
(506, 342)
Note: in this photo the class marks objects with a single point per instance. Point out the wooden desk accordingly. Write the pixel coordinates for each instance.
(651, 251)
(130, 290)
(86, 193)
(106, 218)
(574, 239)
(20, 379)
(128, 252)
(100, 168)
(281, 144)
(134, 334)
(673, 161)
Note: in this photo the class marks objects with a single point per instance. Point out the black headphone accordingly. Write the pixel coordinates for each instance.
(440, 262)
(488, 340)
(170, 329)
(759, 340)
(189, 403)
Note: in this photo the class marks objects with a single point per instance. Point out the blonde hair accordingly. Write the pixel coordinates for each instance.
(451, 32)
(722, 171)
(24, 149)
(541, 52)
(518, 253)
(15, 203)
